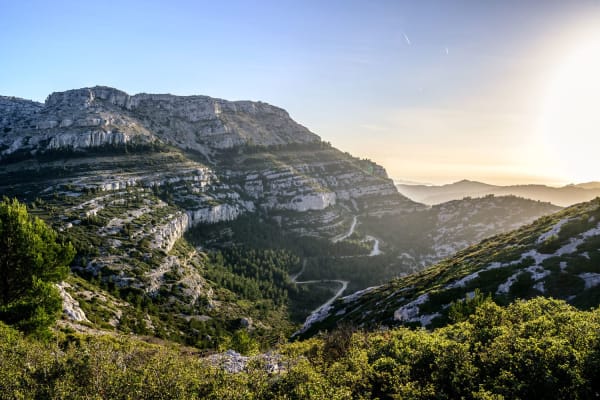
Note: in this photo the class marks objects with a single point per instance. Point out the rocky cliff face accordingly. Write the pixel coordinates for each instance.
(101, 116)
(292, 171)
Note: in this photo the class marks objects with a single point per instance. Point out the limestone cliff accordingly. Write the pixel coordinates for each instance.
(101, 116)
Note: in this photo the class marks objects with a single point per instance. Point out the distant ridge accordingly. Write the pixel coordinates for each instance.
(561, 196)
(588, 185)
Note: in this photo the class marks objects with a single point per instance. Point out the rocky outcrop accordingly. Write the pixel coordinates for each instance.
(71, 308)
(312, 179)
(13, 110)
(88, 140)
(218, 213)
(461, 223)
(308, 202)
(233, 362)
(167, 234)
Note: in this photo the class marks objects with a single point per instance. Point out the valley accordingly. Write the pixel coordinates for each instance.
(226, 236)
(179, 207)
(555, 256)
(274, 200)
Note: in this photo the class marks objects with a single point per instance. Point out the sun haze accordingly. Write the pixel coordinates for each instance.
(438, 91)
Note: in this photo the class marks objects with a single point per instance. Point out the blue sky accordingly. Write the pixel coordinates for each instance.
(433, 90)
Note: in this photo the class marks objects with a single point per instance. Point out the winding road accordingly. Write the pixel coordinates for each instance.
(324, 308)
(375, 252)
(332, 299)
(294, 279)
(350, 232)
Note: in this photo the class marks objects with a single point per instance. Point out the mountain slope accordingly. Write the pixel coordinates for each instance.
(124, 177)
(430, 235)
(250, 150)
(561, 196)
(558, 256)
(192, 212)
(396, 245)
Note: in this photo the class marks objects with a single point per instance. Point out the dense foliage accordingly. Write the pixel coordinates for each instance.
(254, 274)
(258, 233)
(535, 349)
(254, 258)
(31, 260)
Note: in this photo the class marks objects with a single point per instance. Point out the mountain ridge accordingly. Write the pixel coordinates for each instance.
(91, 117)
(562, 196)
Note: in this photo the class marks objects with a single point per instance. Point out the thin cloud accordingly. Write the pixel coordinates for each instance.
(406, 38)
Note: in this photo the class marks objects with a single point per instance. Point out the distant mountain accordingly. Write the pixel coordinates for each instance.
(588, 185)
(556, 256)
(561, 196)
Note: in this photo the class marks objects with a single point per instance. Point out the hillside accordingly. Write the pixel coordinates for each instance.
(556, 256)
(430, 235)
(409, 242)
(536, 349)
(562, 196)
(190, 214)
(125, 177)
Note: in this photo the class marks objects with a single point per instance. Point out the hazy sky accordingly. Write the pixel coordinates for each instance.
(435, 91)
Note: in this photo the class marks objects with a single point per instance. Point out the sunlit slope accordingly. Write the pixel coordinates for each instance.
(556, 256)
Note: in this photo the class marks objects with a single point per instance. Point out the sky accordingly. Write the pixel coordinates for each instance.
(435, 91)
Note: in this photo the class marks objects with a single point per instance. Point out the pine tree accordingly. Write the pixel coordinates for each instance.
(31, 261)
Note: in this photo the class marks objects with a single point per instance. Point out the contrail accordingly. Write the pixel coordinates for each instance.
(406, 38)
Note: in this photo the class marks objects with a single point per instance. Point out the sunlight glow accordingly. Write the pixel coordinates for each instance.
(570, 119)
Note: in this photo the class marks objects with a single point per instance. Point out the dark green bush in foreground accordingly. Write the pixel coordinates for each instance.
(540, 348)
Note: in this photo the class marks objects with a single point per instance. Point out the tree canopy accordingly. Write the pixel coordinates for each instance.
(31, 261)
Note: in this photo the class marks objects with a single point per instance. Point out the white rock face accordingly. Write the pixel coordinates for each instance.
(218, 213)
(71, 308)
(410, 311)
(167, 234)
(92, 117)
(312, 201)
(553, 231)
(88, 140)
(591, 279)
(116, 184)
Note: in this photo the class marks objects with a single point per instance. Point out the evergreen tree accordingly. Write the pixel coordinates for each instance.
(31, 261)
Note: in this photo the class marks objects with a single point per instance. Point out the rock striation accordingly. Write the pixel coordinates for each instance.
(100, 116)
